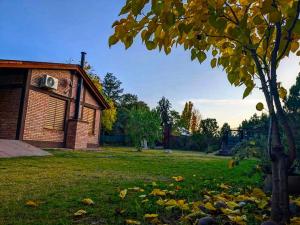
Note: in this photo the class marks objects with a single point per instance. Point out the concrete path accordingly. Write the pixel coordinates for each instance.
(15, 148)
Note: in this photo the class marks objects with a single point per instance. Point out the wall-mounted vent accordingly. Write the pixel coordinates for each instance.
(49, 82)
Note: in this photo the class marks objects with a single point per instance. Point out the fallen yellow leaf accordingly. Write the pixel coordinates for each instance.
(178, 178)
(224, 186)
(171, 202)
(238, 219)
(160, 202)
(158, 192)
(232, 205)
(130, 221)
(182, 205)
(210, 207)
(31, 203)
(258, 193)
(150, 216)
(88, 201)
(80, 212)
(123, 193)
(230, 212)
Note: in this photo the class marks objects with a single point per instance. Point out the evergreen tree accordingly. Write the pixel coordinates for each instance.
(112, 87)
(224, 129)
(164, 107)
(292, 103)
(186, 115)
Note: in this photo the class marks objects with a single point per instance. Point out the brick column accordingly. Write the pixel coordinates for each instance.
(77, 134)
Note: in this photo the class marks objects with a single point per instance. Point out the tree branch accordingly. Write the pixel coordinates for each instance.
(275, 94)
(290, 31)
(233, 13)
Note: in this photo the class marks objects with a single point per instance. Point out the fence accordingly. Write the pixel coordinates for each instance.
(115, 140)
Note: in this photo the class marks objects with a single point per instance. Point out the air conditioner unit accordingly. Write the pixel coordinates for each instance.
(49, 82)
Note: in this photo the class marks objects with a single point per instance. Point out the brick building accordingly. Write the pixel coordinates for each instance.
(49, 104)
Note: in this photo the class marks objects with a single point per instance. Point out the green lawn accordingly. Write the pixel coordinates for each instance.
(59, 183)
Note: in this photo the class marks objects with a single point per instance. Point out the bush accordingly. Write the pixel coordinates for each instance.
(196, 142)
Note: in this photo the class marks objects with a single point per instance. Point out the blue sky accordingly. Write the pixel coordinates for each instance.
(57, 31)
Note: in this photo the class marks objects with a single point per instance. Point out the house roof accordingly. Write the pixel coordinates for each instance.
(16, 64)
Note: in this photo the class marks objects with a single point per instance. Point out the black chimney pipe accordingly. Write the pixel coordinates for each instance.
(82, 62)
(79, 88)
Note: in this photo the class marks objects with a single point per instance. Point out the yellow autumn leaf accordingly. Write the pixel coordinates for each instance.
(294, 46)
(258, 193)
(241, 198)
(182, 205)
(262, 204)
(232, 205)
(210, 207)
(31, 203)
(158, 192)
(130, 221)
(224, 186)
(150, 216)
(196, 206)
(259, 106)
(80, 212)
(178, 178)
(123, 193)
(238, 219)
(282, 93)
(230, 212)
(274, 16)
(171, 202)
(88, 201)
(160, 202)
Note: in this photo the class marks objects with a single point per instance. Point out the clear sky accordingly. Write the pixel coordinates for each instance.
(57, 31)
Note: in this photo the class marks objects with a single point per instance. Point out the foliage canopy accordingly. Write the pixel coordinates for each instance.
(232, 30)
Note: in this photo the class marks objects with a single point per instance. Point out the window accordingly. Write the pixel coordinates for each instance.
(89, 116)
(55, 114)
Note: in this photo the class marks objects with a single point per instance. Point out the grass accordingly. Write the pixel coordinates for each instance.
(61, 181)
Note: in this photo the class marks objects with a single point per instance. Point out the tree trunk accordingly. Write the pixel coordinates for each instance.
(280, 167)
(277, 175)
(280, 161)
(280, 196)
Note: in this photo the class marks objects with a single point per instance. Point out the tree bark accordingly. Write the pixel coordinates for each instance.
(276, 151)
(280, 197)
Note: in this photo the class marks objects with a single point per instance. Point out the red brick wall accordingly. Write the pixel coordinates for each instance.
(35, 118)
(9, 112)
(90, 99)
(38, 104)
(77, 135)
(63, 76)
(93, 139)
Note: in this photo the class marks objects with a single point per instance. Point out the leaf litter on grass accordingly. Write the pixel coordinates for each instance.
(225, 205)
